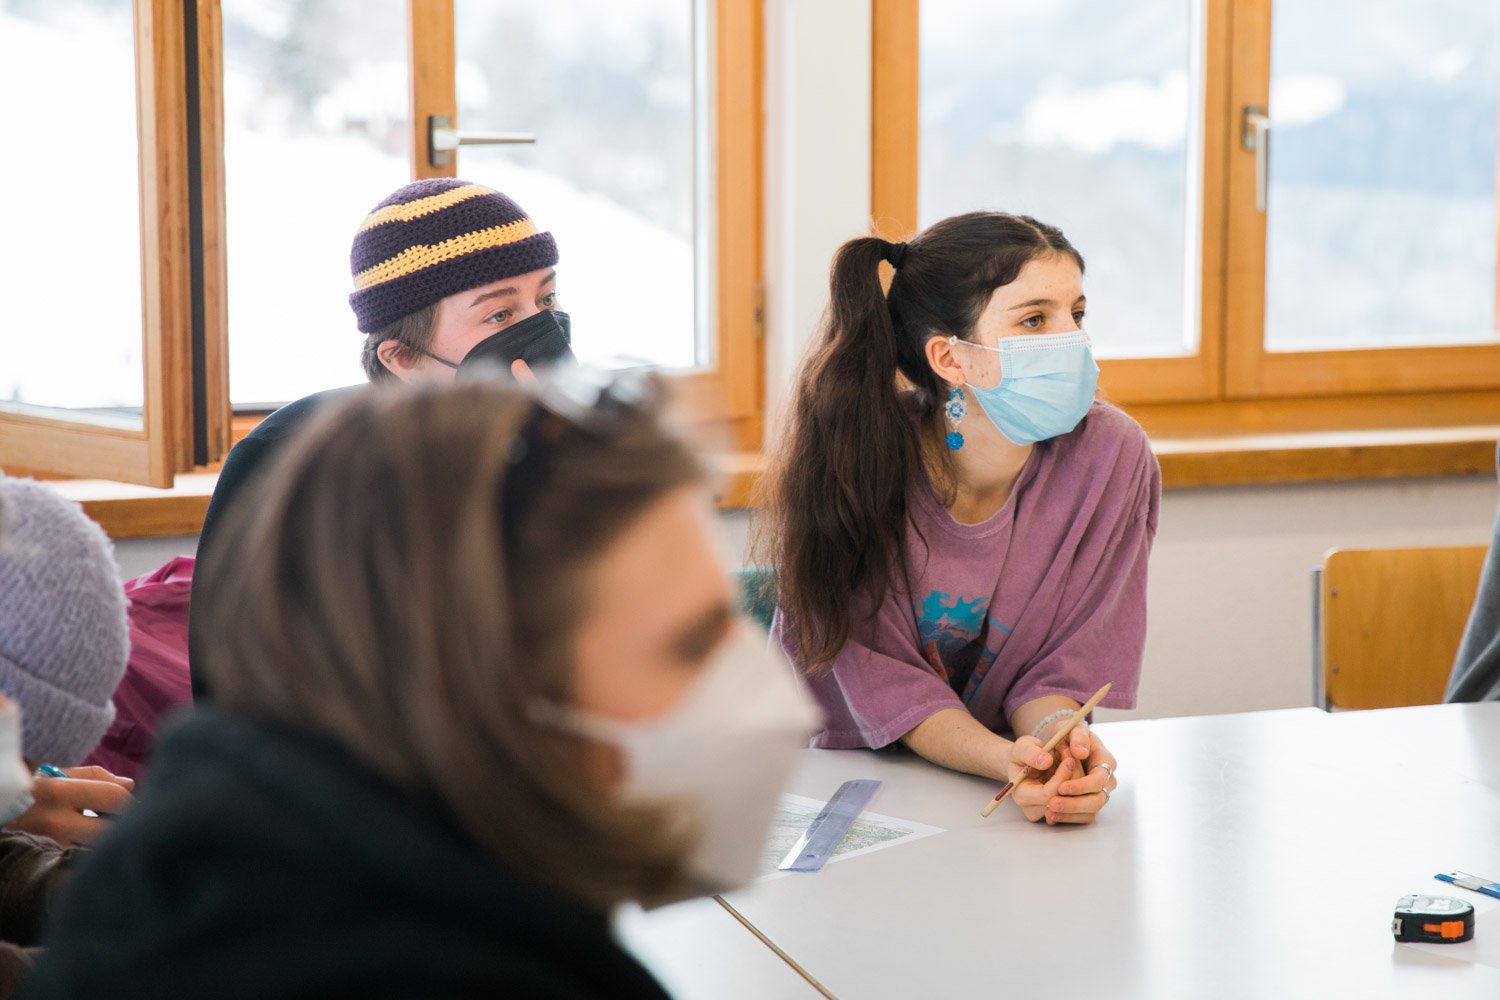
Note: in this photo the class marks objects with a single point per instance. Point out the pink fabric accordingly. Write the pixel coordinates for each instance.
(156, 677)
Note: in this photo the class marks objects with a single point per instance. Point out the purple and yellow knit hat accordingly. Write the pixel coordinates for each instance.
(436, 238)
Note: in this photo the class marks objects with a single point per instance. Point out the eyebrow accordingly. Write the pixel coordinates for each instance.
(508, 290)
(1044, 302)
(496, 293)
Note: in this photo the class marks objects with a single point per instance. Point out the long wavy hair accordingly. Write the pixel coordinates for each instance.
(834, 500)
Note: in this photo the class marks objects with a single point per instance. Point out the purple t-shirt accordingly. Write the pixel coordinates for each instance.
(1046, 597)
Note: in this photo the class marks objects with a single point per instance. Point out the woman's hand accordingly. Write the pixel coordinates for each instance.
(58, 805)
(1068, 787)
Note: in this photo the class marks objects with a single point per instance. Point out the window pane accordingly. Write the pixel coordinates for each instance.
(1381, 204)
(70, 260)
(608, 88)
(1086, 116)
(316, 131)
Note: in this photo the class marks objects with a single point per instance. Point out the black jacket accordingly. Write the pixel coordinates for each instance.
(246, 462)
(259, 863)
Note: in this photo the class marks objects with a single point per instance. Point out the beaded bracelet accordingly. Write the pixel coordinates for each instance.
(1047, 720)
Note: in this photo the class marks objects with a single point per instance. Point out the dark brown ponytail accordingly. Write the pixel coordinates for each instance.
(834, 499)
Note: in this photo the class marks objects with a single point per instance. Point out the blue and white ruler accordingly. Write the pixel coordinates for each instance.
(823, 834)
(1476, 882)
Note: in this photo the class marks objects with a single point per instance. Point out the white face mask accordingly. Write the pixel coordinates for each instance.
(15, 777)
(720, 757)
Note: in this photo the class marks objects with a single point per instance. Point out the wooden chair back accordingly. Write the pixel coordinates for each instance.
(1390, 621)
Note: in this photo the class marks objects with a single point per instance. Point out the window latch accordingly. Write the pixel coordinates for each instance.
(1255, 137)
(443, 139)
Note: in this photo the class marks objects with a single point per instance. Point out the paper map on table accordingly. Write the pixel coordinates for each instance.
(871, 832)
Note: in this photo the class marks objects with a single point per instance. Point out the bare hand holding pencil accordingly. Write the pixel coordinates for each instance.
(1067, 780)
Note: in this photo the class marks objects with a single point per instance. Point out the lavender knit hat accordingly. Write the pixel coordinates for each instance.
(436, 238)
(63, 636)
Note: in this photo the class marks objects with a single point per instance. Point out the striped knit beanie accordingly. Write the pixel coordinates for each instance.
(436, 238)
(63, 635)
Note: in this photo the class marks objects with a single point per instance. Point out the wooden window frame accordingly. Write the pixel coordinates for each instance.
(895, 154)
(730, 393)
(47, 441)
(1226, 418)
(1233, 386)
(1253, 371)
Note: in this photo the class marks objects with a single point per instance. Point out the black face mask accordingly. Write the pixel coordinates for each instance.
(539, 340)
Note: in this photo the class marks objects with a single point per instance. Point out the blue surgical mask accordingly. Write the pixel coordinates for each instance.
(1047, 384)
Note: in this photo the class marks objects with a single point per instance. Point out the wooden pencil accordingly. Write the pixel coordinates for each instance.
(1057, 737)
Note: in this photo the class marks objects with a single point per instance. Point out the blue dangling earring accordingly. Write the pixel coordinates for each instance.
(955, 410)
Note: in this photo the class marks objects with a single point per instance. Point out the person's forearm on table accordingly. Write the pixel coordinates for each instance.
(954, 739)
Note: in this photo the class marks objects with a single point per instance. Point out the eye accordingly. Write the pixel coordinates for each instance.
(1078, 317)
(695, 647)
(499, 317)
(1034, 322)
(694, 653)
(549, 301)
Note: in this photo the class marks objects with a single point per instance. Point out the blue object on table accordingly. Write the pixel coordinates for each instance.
(1466, 881)
(823, 834)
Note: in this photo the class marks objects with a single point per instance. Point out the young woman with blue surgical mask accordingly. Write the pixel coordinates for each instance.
(960, 527)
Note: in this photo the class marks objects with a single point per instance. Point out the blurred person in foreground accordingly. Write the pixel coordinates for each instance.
(478, 678)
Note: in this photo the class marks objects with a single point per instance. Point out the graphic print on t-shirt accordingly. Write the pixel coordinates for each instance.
(951, 629)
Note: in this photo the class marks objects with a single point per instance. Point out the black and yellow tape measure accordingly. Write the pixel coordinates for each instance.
(1441, 919)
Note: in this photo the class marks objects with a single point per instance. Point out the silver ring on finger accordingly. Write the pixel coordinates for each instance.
(1107, 768)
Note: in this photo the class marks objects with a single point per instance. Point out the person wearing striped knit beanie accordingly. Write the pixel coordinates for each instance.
(447, 274)
(443, 268)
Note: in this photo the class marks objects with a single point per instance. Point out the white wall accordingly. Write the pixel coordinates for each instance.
(137, 556)
(817, 128)
(1230, 596)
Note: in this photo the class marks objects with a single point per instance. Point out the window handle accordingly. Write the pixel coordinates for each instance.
(1255, 137)
(443, 139)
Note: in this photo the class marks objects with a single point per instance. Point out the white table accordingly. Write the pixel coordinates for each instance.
(699, 952)
(1255, 855)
